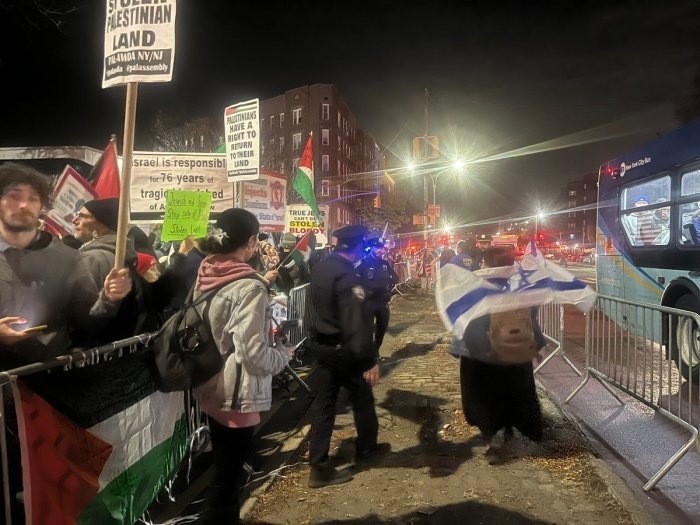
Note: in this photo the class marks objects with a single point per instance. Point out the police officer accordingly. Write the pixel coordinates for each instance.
(379, 278)
(468, 255)
(341, 336)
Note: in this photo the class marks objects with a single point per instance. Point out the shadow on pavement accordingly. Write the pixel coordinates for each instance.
(407, 352)
(466, 512)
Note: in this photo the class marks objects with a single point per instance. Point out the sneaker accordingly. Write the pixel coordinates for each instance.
(325, 475)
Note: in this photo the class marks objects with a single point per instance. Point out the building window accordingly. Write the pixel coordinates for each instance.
(325, 186)
(325, 137)
(325, 163)
(325, 111)
(572, 193)
(295, 165)
(272, 121)
(296, 116)
(572, 225)
(282, 167)
(281, 144)
(572, 204)
(338, 118)
(296, 141)
(281, 120)
(339, 142)
(272, 143)
(338, 169)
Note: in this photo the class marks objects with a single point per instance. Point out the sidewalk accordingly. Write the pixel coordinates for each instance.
(437, 472)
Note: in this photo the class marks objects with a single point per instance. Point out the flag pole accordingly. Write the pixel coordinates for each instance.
(128, 149)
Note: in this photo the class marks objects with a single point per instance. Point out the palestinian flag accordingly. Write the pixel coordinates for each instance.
(97, 453)
(104, 176)
(302, 251)
(304, 181)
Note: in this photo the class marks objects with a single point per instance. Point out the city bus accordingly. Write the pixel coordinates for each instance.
(648, 232)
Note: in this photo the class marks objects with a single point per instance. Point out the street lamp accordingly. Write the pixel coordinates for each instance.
(539, 216)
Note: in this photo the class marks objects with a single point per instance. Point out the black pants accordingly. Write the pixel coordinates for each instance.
(330, 381)
(231, 447)
(380, 316)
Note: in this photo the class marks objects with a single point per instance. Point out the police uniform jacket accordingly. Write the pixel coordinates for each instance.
(341, 317)
(379, 278)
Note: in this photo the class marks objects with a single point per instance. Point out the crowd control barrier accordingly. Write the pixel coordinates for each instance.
(629, 347)
(551, 321)
(298, 308)
(195, 419)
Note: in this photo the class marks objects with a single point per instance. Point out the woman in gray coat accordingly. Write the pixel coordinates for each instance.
(239, 316)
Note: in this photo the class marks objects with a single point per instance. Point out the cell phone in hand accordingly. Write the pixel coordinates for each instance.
(33, 329)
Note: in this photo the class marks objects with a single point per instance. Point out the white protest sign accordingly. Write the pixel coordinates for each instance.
(242, 130)
(139, 41)
(300, 219)
(72, 192)
(265, 199)
(154, 173)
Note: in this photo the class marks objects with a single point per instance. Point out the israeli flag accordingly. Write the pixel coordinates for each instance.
(462, 295)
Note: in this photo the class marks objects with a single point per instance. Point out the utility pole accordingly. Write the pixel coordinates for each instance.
(425, 175)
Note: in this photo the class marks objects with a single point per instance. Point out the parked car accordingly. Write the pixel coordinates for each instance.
(589, 258)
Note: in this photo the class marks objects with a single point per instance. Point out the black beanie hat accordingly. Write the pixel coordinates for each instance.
(105, 211)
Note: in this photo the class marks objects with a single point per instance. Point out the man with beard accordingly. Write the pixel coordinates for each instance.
(42, 280)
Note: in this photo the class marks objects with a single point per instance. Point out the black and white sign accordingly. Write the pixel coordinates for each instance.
(154, 173)
(139, 41)
(242, 128)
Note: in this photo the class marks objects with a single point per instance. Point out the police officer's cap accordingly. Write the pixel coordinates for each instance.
(350, 235)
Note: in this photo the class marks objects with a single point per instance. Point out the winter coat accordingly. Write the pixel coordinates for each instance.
(46, 283)
(240, 319)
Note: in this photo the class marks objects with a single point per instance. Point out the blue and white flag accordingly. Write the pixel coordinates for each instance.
(462, 295)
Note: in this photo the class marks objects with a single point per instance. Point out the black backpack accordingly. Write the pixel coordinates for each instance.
(185, 352)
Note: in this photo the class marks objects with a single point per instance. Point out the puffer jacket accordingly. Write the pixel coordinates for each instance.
(239, 316)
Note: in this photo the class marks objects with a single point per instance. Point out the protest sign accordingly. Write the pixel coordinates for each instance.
(186, 213)
(154, 173)
(300, 219)
(139, 42)
(242, 129)
(265, 199)
(72, 192)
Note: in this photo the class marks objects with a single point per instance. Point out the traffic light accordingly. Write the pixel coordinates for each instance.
(377, 201)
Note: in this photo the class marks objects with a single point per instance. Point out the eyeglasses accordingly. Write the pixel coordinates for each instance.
(85, 216)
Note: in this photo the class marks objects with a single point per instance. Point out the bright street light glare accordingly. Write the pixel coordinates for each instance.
(541, 215)
(411, 166)
(458, 164)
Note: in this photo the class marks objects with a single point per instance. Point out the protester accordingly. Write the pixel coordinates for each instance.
(341, 335)
(446, 256)
(146, 306)
(41, 279)
(497, 397)
(238, 314)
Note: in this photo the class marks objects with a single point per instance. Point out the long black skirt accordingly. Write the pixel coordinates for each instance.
(500, 396)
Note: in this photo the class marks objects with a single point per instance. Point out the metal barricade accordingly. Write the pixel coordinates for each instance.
(551, 321)
(90, 357)
(297, 308)
(628, 348)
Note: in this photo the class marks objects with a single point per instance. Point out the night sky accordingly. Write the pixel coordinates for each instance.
(501, 76)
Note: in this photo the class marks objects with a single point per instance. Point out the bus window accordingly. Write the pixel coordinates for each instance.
(650, 225)
(690, 209)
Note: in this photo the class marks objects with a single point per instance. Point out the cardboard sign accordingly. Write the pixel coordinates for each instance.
(139, 42)
(72, 192)
(154, 173)
(265, 198)
(186, 213)
(242, 129)
(300, 219)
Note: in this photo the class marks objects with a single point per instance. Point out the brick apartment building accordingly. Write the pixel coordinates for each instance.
(578, 226)
(347, 160)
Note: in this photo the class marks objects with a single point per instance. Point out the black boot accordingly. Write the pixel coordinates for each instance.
(324, 474)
